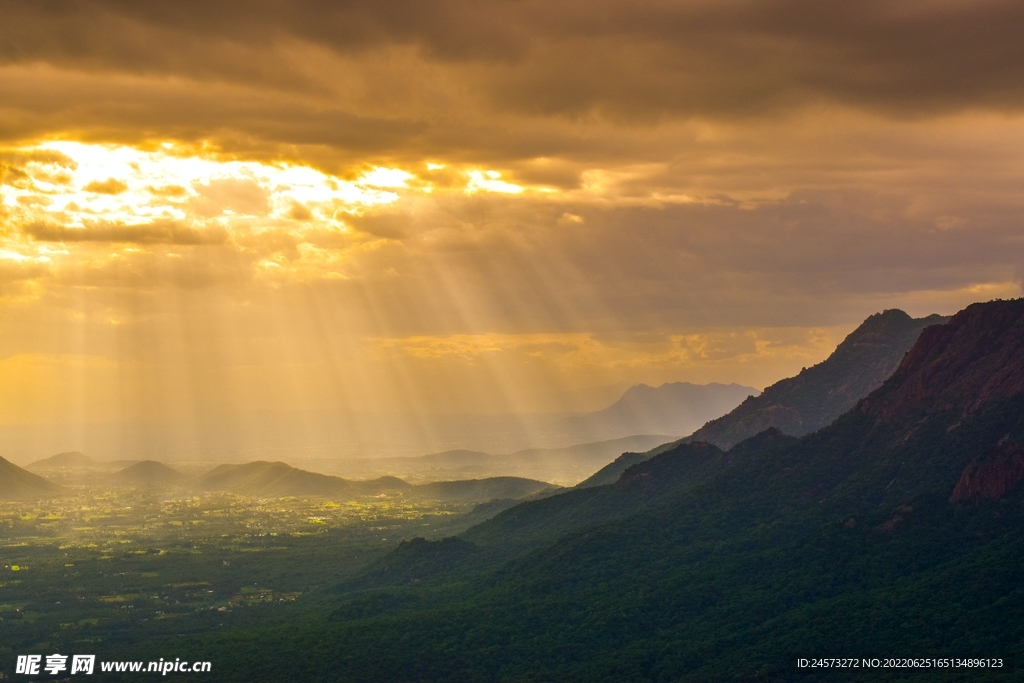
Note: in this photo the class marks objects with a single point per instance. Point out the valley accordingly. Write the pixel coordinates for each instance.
(99, 567)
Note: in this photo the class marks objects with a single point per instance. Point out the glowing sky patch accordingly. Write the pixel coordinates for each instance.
(81, 186)
(490, 181)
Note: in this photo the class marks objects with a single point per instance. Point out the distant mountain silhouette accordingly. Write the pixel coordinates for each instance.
(819, 394)
(674, 409)
(20, 484)
(149, 473)
(275, 479)
(68, 459)
(565, 465)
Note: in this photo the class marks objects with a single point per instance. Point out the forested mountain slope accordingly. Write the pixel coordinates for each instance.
(643, 485)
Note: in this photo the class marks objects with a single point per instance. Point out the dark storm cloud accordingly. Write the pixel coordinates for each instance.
(44, 101)
(637, 59)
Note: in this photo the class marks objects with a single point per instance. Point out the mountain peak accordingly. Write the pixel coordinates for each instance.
(976, 357)
(819, 394)
(673, 408)
(149, 473)
(68, 459)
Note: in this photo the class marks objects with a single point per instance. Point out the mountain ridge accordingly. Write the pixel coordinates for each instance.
(818, 395)
(674, 408)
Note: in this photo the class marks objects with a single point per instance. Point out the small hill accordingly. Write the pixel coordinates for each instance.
(818, 395)
(67, 460)
(19, 484)
(149, 474)
(272, 479)
(611, 472)
(677, 408)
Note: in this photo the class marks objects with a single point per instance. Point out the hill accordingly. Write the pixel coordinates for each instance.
(149, 473)
(68, 459)
(819, 394)
(892, 532)
(564, 466)
(677, 409)
(611, 472)
(276, 479)
(19, 484)
(270, 479)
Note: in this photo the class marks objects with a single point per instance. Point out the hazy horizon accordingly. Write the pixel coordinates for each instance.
(298, 437)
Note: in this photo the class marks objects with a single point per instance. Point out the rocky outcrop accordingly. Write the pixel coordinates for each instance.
(977, 357)
(992, 475)
(818, 395)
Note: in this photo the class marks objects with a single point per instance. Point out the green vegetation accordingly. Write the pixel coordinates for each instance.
(96, 571)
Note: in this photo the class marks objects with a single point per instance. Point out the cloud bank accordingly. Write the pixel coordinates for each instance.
(451, 206)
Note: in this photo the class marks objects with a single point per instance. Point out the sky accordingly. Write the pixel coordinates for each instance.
(220, 216)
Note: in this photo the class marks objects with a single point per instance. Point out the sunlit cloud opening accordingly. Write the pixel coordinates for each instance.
(490, 181)
(386, 177)
(81, 186)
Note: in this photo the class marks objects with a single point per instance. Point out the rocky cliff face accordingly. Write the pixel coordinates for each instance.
(992, 475)
(977, 357)
(818, 395)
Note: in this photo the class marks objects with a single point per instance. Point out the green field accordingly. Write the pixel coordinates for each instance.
(105, 568)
